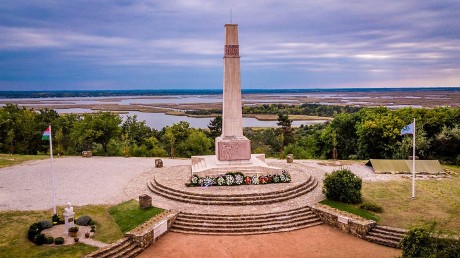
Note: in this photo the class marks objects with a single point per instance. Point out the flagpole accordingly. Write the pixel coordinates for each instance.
(413, 162)
(52, 171)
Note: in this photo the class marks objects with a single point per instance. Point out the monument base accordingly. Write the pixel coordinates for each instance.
(236, 148)
(210, 165)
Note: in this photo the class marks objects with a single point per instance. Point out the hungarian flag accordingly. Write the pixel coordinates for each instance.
(46, 134)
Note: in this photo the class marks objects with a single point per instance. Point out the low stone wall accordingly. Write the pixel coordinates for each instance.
(344, 221)
(146, 234)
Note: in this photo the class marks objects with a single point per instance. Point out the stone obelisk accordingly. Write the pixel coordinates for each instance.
(232, 145)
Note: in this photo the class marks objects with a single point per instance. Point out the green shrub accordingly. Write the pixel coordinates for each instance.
(420, 242)
(343, 186)
(56, 219)
(371, 207)
(46, 224)
(34, 230)
(40, 239)
(353, 157)
(84, 220)
(49, 240)
(59, 240)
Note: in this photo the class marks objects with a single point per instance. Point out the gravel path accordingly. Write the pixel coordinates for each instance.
(81, 181)
(104, 180)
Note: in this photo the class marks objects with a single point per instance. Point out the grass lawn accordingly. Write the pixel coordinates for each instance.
(436, 201)
(128, 214)
(14, 226)
(351, 209)
(7, 160)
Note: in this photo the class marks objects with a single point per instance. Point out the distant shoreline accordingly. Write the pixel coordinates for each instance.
(177, 92)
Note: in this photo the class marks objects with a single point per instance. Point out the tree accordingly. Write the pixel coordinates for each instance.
(97, 128)
(196, 144)
(286, 129)
(171, 139)
(137, 131)
(215, 127)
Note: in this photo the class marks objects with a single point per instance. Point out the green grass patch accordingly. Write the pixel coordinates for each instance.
(436, 201)
(128, 215)
(14, 243)
(351, 209)
(7, 160)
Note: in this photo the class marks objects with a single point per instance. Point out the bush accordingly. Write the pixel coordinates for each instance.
(49, 240)
(371, 207)
(40, 239)
(343, 186)
(56, 219)
(420, 242)
(59, 240)
(46, 224)
(34, 230)
(84, 220)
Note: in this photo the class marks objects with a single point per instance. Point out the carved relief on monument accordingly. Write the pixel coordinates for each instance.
(234, 150)
(232, 51)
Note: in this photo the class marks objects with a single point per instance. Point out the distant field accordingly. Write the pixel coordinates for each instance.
(7, 160)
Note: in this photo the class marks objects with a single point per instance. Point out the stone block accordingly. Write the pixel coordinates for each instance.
(158, 163)
(145, 201)
(234, 150)
(86, 154)
(290, 158)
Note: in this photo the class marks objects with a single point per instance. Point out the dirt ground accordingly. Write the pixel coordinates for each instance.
(318, 241)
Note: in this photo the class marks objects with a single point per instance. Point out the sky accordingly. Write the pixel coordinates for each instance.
(179, 44)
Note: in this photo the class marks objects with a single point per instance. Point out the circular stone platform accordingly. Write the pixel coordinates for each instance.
(176, 177)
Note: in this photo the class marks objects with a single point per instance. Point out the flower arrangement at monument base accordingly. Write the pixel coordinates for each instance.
(238, 178)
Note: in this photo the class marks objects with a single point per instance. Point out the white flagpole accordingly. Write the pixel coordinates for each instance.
(52, 171)
(413, 162)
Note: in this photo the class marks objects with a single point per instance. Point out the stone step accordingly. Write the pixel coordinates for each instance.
(120, 251)
(270, 215)
(392, 229)
(226, 196)
(249, 233)
(129, 253)
(385, 236)
(245, 224)
(249, 200)
(112, 249)
(389, 233)
(232, 198)
(285, 226)
(382, 241)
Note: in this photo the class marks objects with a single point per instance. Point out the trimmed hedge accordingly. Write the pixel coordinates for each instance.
(343, 186)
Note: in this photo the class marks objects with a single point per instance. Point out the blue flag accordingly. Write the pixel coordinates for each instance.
(408, 129)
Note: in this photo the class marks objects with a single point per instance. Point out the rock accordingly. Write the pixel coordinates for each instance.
(145, 201)
(290, 158)
(158, 163)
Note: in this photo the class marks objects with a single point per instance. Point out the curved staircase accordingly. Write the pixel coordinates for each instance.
(386, 236)
(233, 199)
(245, 224)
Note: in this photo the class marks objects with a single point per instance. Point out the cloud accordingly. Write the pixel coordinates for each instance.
(324, 42)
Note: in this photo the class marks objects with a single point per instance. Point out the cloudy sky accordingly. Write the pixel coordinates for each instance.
(155, 44)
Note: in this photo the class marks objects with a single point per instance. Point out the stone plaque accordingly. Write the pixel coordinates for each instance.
(342, 219)
(160, 228)
(234, 150)
(232, 51)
